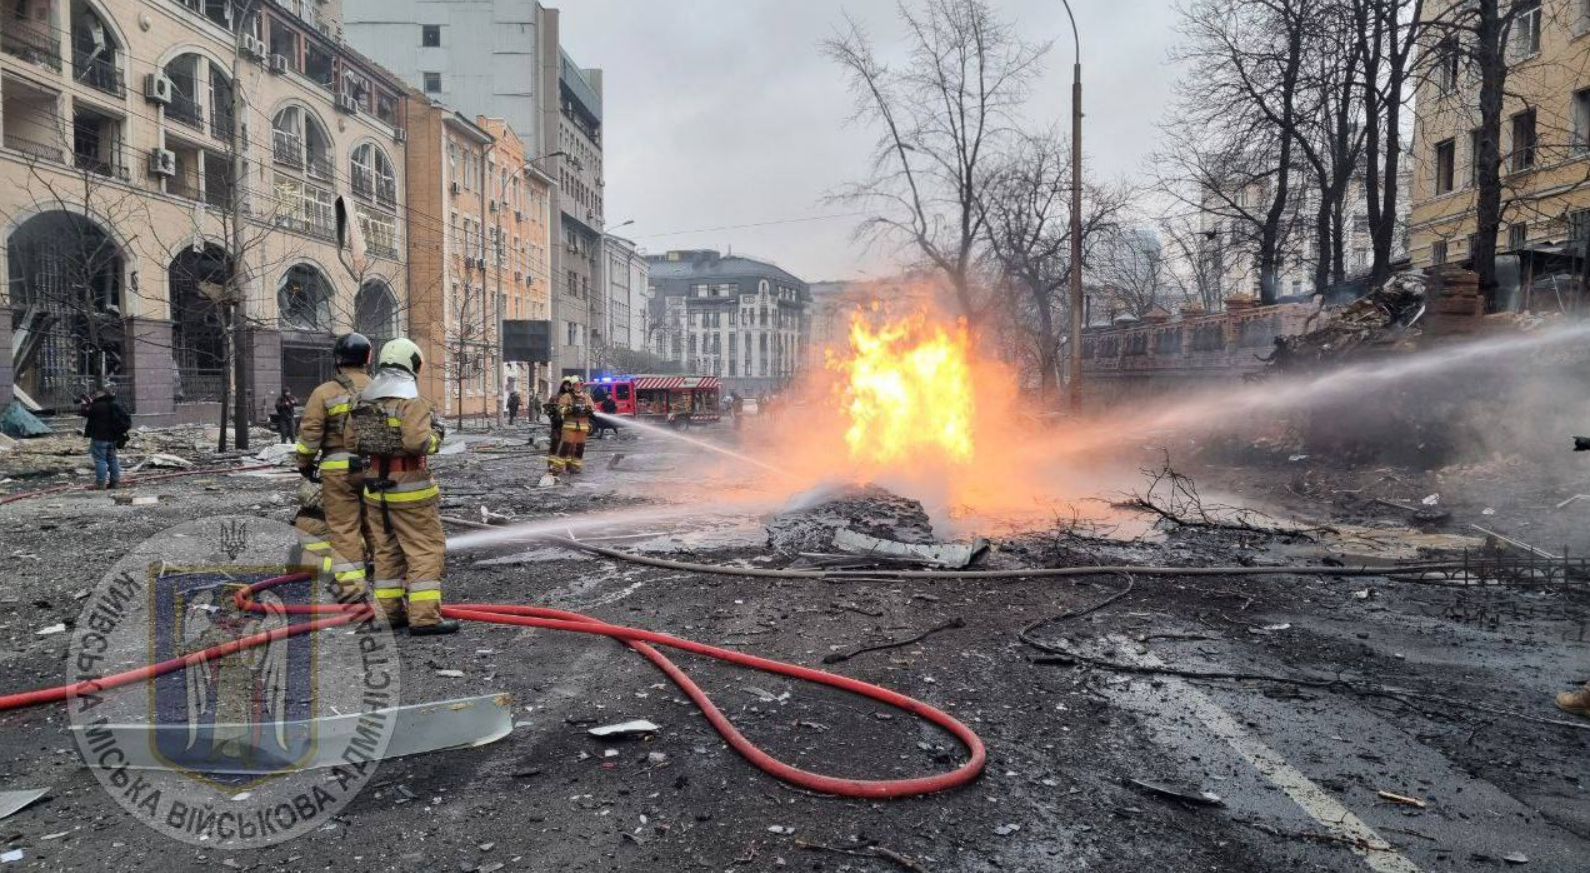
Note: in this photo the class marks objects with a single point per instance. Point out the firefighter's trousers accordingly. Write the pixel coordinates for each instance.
(313, 554)
(571, 451)
(408, 560)
(340, 495)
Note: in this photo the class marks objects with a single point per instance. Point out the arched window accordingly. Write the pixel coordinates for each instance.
(198, 355)
(300, 141)
(65, 279)
(373, 175)
(375, 311)
(96, 58)
(303, 299)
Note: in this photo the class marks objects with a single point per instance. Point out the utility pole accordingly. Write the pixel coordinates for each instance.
(1076, 218)
(236, 298)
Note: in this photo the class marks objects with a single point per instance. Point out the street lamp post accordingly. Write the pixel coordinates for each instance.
(1076, 217)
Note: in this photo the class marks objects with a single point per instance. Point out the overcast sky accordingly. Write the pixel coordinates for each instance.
(724, 112)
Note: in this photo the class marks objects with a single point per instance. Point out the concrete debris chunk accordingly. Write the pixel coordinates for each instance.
(951, 556)
(165, 461)
(13, 802)
(634, 728)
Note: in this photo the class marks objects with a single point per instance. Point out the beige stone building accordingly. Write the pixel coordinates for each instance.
(152, 150)
(1545, 153)
(486, 263)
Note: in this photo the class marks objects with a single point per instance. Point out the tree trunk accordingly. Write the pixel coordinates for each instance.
(1490, 57)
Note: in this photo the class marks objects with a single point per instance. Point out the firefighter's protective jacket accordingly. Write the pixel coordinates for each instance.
(321, 430)
(411, 482)
(575, 408)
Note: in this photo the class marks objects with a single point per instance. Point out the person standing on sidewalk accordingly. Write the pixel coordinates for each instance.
(107, 428)
(286, 415)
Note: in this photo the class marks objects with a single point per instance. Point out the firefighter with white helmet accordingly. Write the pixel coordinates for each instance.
(396, 429)
(575, 407)
(323, 455)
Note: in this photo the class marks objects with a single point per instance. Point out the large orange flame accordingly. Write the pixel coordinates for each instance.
(907, 391)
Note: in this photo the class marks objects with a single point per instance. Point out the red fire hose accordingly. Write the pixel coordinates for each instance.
(641, 641)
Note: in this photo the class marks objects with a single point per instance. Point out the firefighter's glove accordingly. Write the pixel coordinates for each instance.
(310, 472)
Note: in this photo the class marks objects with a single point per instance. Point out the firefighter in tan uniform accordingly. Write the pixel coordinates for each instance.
(321, 436)
(403, 518)
(313, 553)
(575, 407)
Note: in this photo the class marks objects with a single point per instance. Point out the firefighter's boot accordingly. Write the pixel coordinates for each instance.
(425, 619)
(1576, 702)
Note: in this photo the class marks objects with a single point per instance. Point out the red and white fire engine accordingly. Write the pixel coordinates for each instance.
(677, 400)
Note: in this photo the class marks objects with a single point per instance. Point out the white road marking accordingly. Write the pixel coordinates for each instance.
(1314, 800)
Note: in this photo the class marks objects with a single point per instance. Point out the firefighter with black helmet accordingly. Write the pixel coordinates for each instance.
(395, 428)
(323, 453)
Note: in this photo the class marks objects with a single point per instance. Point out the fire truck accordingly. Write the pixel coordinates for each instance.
(677, 400)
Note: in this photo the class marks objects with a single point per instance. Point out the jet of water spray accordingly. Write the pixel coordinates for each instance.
(670, 433)
(1301, 392)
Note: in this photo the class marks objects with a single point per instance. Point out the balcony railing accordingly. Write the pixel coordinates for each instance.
(381, 250)
(104, 162)
(99, 71)
(222, 125)
(179, 186)
(39, 150)
(186, 110)
(321, 168)
(317, 228)
(288, 149)
(32, 48)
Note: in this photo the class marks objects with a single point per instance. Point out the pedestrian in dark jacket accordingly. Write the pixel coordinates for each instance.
(513, 407)
(286, 416)
(107, 428)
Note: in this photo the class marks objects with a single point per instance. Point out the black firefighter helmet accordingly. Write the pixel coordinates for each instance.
(352, 350)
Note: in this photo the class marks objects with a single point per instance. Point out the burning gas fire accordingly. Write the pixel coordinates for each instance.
(907, 391)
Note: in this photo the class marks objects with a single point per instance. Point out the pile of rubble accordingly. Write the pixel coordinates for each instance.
(1385, 317)
(811, 525)
(64, 451)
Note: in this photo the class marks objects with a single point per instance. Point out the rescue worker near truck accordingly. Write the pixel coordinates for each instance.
(323, 453)
(575, 408)
(401, 498)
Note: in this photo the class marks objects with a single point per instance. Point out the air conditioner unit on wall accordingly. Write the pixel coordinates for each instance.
(162, 162)
(400, 134)
(158, 88)
(279, 64)
(346, 103)
(251, 45)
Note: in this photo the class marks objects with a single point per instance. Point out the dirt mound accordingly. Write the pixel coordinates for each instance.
(865, 509)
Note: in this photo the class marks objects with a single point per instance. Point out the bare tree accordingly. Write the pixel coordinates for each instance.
(945, 115)
(1239, 113)
(1389, 32)
(1026, 224)
(1194, 266)
(1131, 264)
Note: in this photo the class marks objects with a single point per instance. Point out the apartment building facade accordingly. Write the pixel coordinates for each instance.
(743, 319)
(165, 164)
(1544, 145)
(506, 59)
(628, 299)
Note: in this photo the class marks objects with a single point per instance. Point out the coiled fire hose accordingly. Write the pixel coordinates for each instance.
(642, 641)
